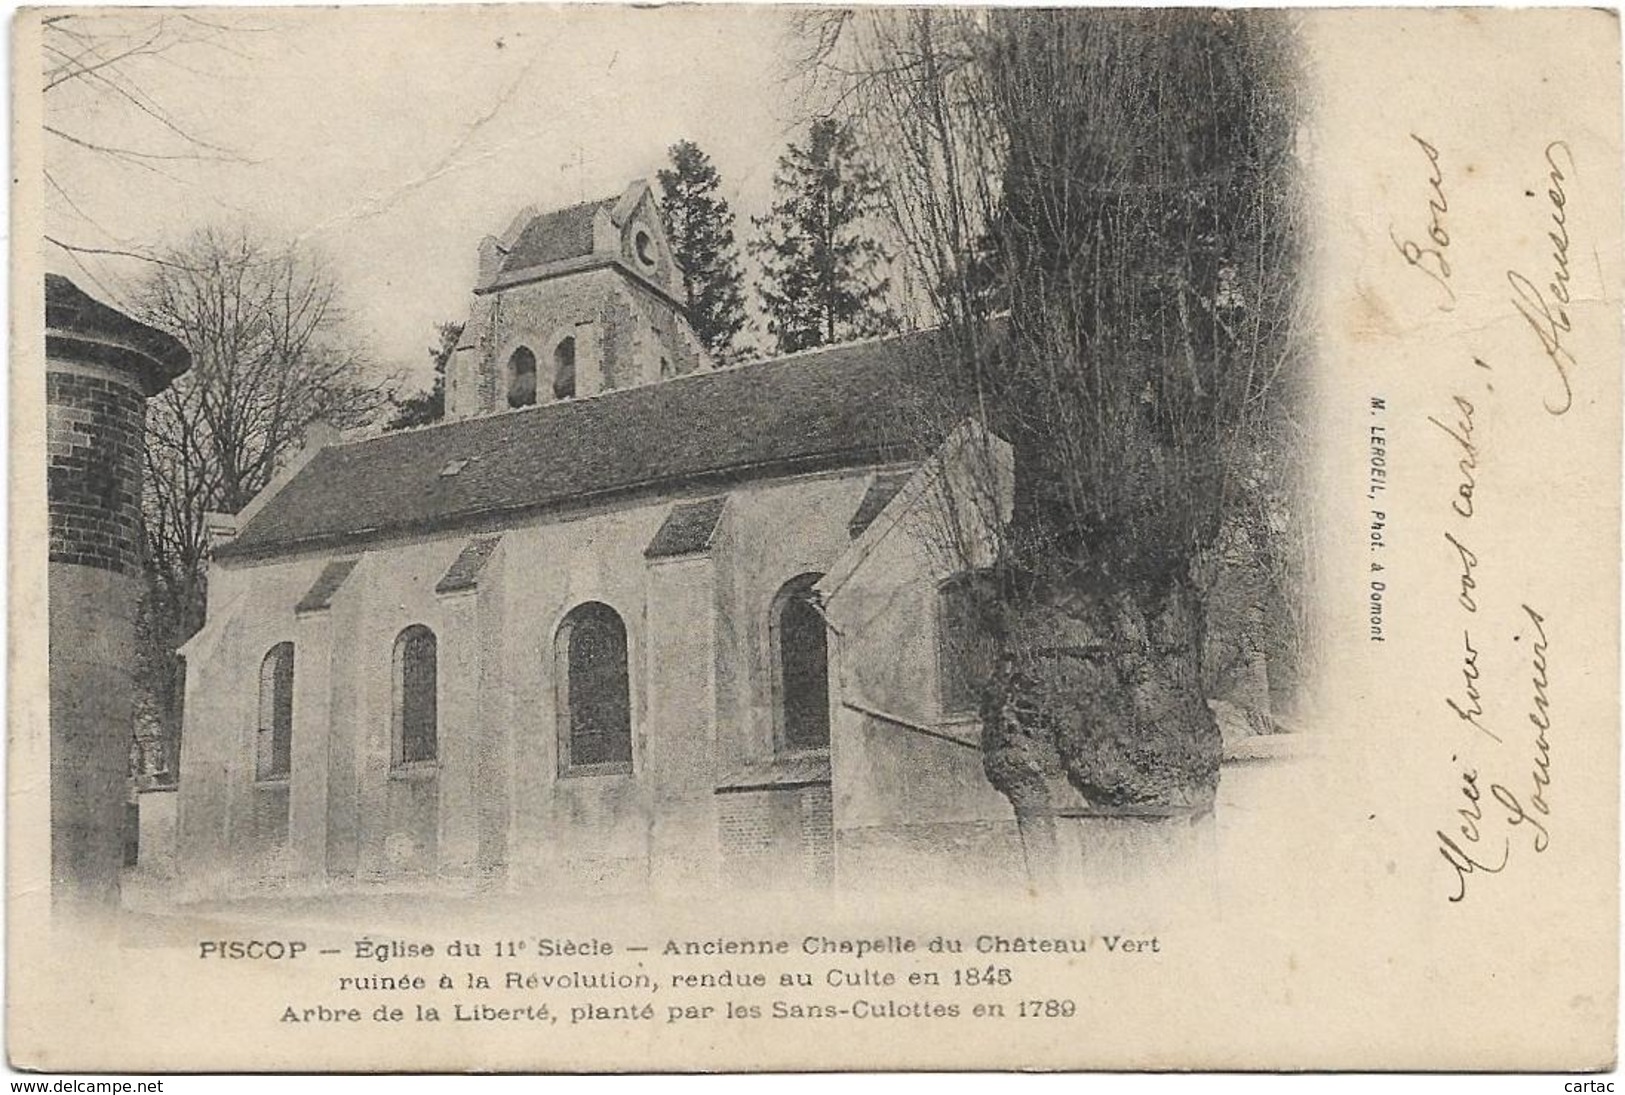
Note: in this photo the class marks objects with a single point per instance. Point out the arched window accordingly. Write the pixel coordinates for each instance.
(644, 247)
(801, 665)
(564, 368)
(966, 649)
(522, 378)
(595, 694)
(273, 745)
(416, 702)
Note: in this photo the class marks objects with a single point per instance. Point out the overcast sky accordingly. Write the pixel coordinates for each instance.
(393, 141)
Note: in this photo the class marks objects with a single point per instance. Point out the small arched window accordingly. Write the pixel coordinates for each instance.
(595, 694)
(564, 368)
(522, 378)
(273, 745)
(416, 696)
(643, 245)
(801, 665)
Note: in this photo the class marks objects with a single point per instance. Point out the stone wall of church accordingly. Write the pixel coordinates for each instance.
(913, 806)
(777, 532)
(663, 269)
(625, 335)
(777, 839)
(648, 339)
(496, 803)
(233, 827)
(682, 761)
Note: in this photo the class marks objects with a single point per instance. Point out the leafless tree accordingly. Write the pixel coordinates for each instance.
(270, 356)
(1103, 207)
(109, 81)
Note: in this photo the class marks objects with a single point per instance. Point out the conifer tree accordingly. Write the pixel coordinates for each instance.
(423, 408)
(823, 271)
(700, 227)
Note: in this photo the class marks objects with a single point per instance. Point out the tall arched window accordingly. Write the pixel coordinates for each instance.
(522, 378)
(564, 368)
(801, 665)
(273, 745)
(966, 646)
(416, 702)
(595, 694)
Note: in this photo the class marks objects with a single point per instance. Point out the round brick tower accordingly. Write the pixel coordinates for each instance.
(101, 367)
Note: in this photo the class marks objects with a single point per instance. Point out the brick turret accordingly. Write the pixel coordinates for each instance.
(101, 367)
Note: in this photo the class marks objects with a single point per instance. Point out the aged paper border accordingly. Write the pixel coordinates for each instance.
(1490, 1047)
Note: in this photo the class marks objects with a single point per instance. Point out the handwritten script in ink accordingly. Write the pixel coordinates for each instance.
(1543, 300)
(1500, 669)
(1428, 249)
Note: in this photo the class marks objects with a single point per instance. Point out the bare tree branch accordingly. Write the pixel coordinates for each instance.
(1101, 208)
(270, 356)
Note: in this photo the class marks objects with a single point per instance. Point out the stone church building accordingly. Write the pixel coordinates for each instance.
(623, 622)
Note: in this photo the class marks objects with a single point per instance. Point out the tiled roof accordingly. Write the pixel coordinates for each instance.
(838, 407)
(326, 586)
(464, 573)
(687, 529)
(554, 237)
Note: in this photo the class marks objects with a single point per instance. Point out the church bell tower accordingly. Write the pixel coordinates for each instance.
(570, 304)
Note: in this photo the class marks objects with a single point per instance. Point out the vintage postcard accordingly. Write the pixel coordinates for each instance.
(593, 538)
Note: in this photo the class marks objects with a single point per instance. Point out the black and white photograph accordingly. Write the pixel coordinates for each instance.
(737, 537)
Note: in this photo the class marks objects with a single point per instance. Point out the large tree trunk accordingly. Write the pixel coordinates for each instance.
(1099, 692)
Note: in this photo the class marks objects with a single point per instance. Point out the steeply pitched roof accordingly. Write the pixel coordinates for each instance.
(838, 407)
(554, 237)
